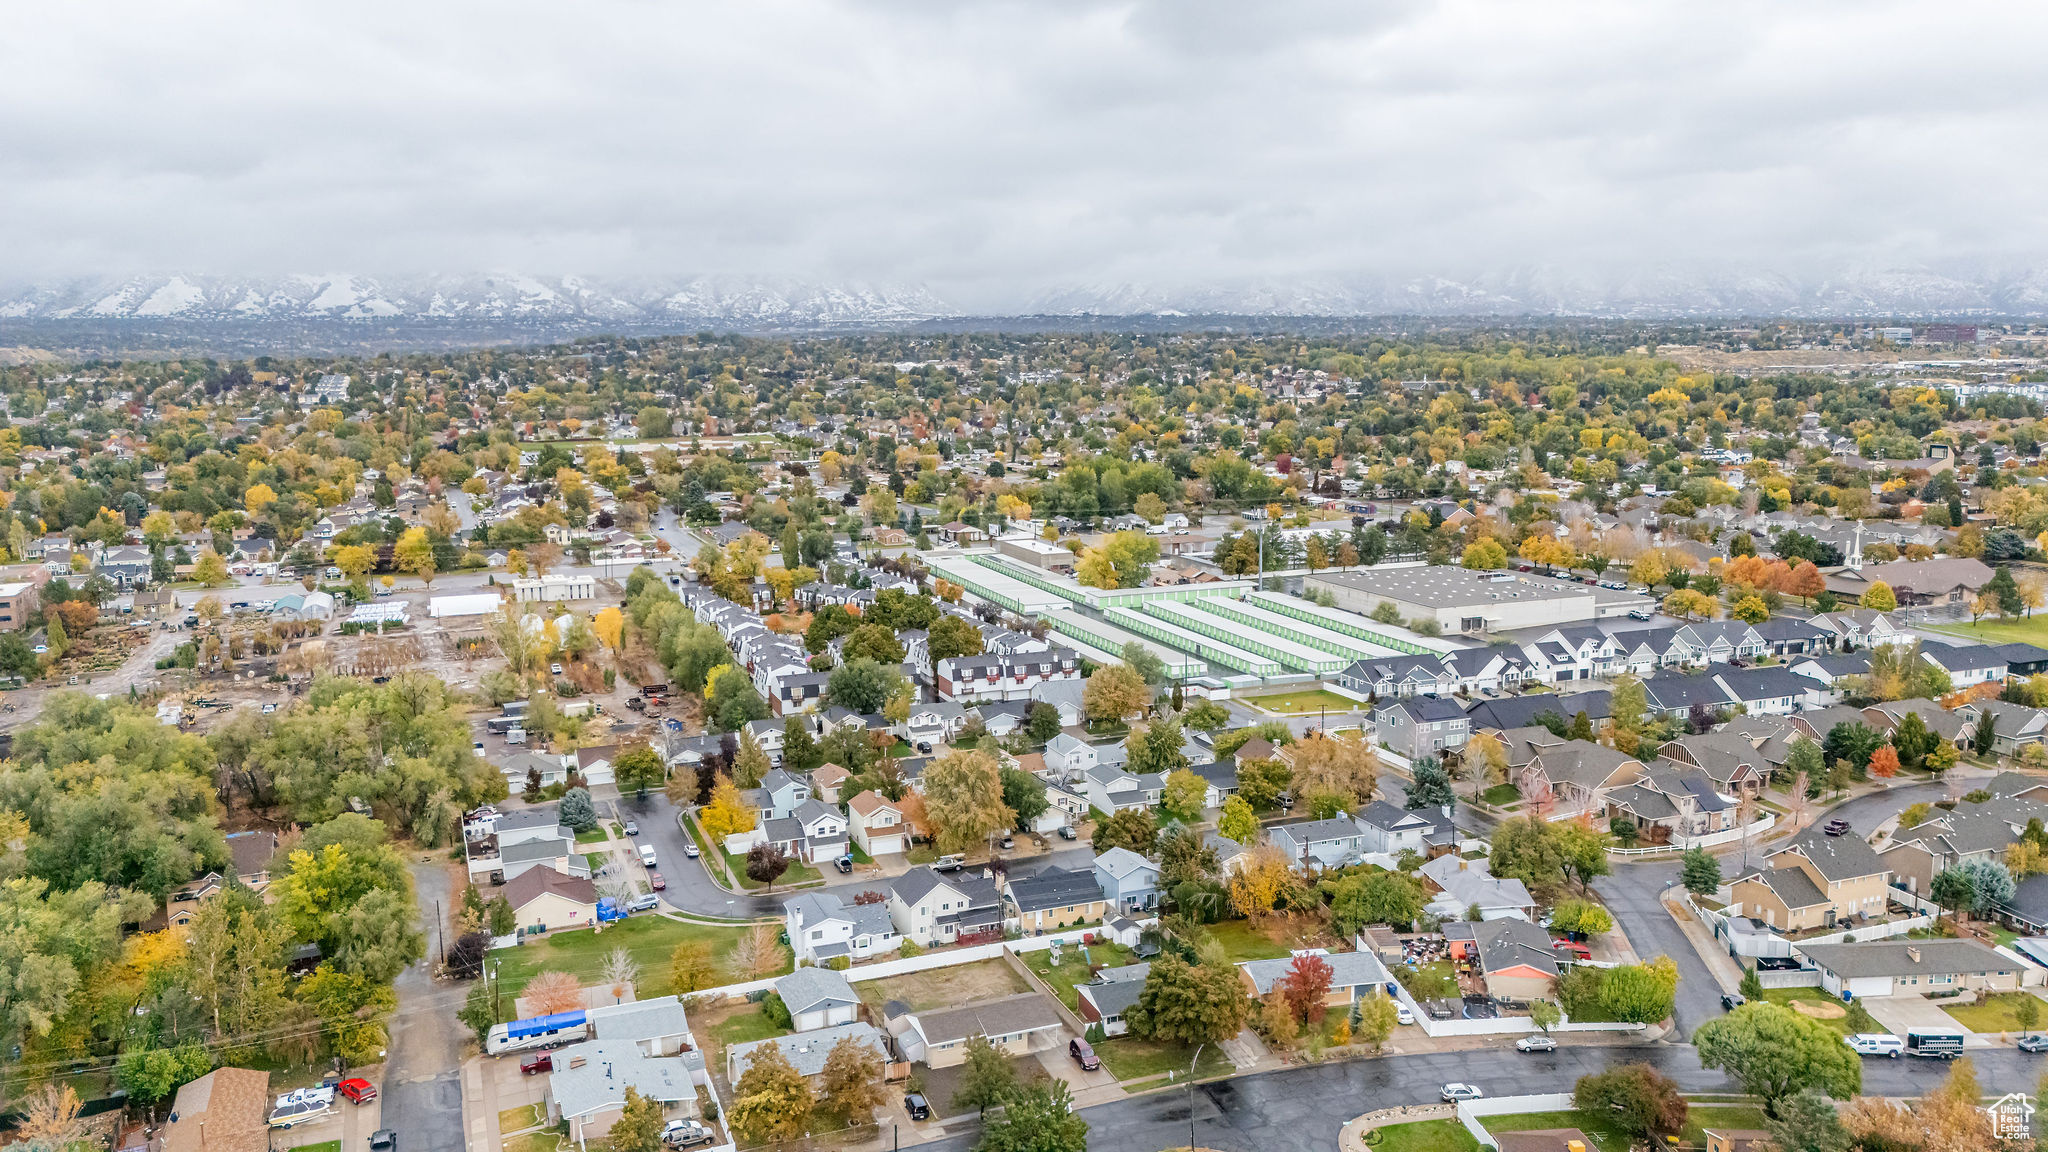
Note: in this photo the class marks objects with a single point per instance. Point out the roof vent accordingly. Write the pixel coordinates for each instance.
(1913, 953)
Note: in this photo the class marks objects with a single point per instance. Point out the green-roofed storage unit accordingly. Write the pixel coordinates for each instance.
(992, 586)
(1066, 590)
(1207, 648)
(1267, 622)
(1273, 647)
(1104, 642)
(1348, 623)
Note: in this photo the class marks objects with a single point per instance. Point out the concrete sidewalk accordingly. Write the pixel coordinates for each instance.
(1720, 964)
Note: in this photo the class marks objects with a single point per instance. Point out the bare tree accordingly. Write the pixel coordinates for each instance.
(51, 1119)
(620, 971)
(552, 992)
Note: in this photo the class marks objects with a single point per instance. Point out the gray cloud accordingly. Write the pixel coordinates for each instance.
(998, 153)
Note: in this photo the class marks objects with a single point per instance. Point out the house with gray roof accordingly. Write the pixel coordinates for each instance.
(822, 926)
(587, 1089)
(818, 998)
(806, 1051)
(1017, 1025)
(1329, 843)
(1128, 881)
(1463, 885)
(1422, 726)
(1107, 998)
(1353, 975)
(2014, 726)
(1904, 967)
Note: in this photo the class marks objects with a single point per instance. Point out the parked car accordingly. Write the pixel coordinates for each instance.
(1008, 841)
(357, 1090)
(1836, 827)
(1536, 1043)
(844, 864)
(384, 1140)
(1453, 1093)
(1876, 1044)
(655, 881)
(949, 863)
(2035, 1042)
(690, 850)
(1731, 1002)
(538, 1062)
(1084, 1054)
(1403, 1014)
(632, 828)
(555, 669)
(1067, 832)
(683, 1133)
(644, 903)
(916, 1106)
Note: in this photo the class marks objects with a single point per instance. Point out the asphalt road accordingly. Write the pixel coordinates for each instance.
(1631, 893)
(1301, 1109)
(422, 1089)
(1865, 813)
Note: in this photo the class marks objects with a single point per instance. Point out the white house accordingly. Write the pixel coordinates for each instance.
(817, 998)
(821, 927)
(928, 908)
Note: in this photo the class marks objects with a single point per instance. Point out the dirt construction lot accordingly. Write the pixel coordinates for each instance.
(942, 987)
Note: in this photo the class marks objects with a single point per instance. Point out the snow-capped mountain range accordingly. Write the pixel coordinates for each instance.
(507, 306)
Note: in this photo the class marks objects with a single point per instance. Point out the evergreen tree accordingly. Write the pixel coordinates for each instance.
(2006, 591)
(1431, 787)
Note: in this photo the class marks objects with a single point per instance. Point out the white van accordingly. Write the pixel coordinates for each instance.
(647, 855)
(1876, 1044)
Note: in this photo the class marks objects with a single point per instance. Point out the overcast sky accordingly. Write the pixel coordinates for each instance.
(997, 152)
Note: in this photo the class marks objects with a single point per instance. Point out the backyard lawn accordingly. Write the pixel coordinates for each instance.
(1996, 1014)
(1499, 795)
(1310, 700)
(323, 1146)
(1427, 1136)
(1072, 969)
(741, 1027)
(1129, 1058)
(942, 987)
(650, 939)
(1244, 940)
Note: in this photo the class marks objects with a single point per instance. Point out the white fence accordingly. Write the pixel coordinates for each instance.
(1757, 827)
(1470, 1111)
(944, 958)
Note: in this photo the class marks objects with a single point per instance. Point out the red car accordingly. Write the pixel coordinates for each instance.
(538, 1062)
(654, 878)
(357, 1089)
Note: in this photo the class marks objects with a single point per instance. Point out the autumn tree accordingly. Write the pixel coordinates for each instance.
(963, 797)
(772, 1101)
(1114, 692)
(1190, 1004)
(414, 553)
(1879, 597)
(551, 992)
(1306, 986)
(851, 1084)
(727, 814)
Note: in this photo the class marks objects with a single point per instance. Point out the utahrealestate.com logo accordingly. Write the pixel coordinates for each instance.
(2012, 1116)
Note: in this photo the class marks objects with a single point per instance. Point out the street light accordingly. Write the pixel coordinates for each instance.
(1191, 1093)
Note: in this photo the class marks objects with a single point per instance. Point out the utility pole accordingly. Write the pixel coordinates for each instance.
(1191, 1094)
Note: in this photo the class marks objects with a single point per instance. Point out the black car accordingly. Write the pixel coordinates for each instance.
(383, 1140)
(1836, 827)
(1731, 1003)
(916, 1106)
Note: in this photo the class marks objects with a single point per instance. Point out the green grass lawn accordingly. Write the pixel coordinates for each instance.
(543, 1141)
(521, 1118)
(746, 1026)
(1995, 1014)
(1427, 1136)
(593, 836)
(1129, 1058)
(1243, 941)
(597, 860)
(1497, 796)
(323, 1146)
(1701, 1117)
(798, 873)
(1310, 700)
(1605, 1137)
(651, 940)
(1072, 970)
(2031, 630)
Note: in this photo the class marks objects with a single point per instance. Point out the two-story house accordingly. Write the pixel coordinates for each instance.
(1328, 843)
(822, 927)
(782, 794)
(1817, 881)
(2014, 726)
(1385, 828)
(877, 824)
(929, 908)
(815, 833)
(1422, 726)
(1129, 881)
(1113, 789)
(1672, 803)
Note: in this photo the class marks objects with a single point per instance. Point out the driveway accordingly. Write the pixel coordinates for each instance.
(1899, 1014)
(1633, 893)
(422, 1089)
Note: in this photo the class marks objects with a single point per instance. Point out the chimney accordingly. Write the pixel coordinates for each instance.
(1575, 1146)
(1913, 953)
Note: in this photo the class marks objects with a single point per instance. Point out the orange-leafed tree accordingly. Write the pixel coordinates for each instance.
(1884, 762)
(553, 992)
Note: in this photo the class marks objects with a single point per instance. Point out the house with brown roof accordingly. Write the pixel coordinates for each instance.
(226, 1110)
(1577, 773)
(1817, 881)
(1944, 580)
(877, 824)
(545, 899)
(1730, 760)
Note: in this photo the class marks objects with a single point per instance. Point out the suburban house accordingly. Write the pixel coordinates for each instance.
(1354, 976)
(1128, 881)
(1817, 881)
(1901, 967)
(1515, 958)
(818, 998)
(1915, 583)
(1859, 628)
(1017, 1026)
(2014, 726)
(1319, 843)
(815, 833)
(1885, 717)
(1385, 828)
(1733, 763)
(1384, 677)
(226, 1110)
(1422, 726)
(1463, 885)
(1672, 803)
(1111, 789)
(509, 843)
(1110, 995)
(1068, 754)
(1965, 664)
(545, 899)
(1052, 899)
(587, 1090)
(877, 824)
(806, 1051)
(781, 792)
(1577, 773)
(1916, 855)
(1003, 676)
(929, 909)
(821, 927)
(826, 779)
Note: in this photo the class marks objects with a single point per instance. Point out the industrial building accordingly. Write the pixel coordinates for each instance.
(1473, 603)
